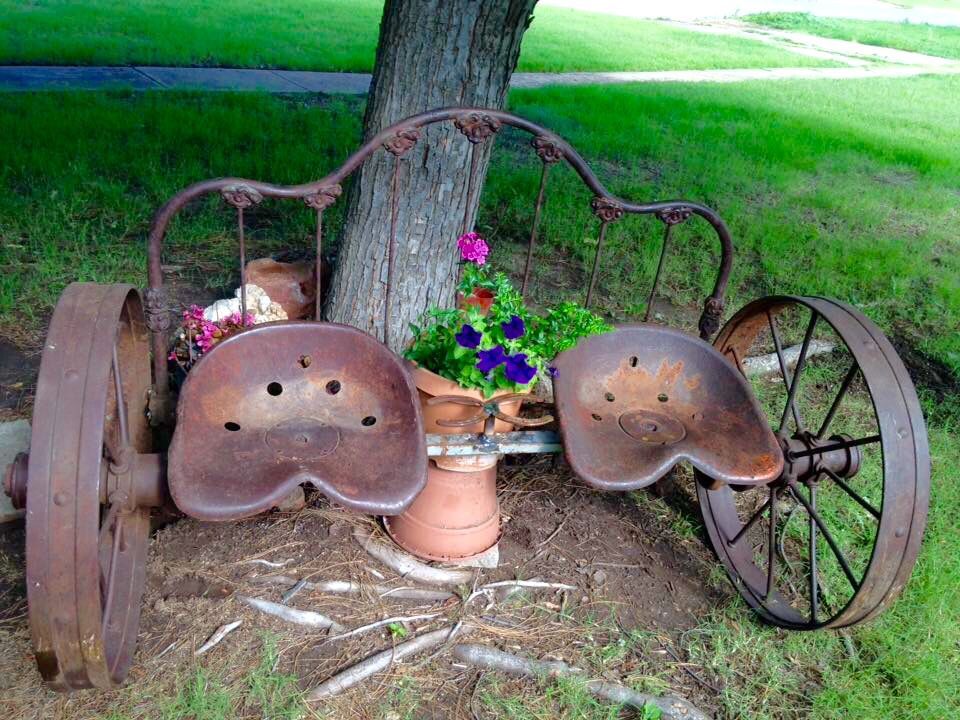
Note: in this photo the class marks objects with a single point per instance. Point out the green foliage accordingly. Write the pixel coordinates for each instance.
(435, 347)
(275, 694)
(342, 37)
(202, 698)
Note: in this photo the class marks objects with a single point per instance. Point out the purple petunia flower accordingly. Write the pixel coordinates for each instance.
(553, 371)
(517, 370)
(468, 337)
(490, 359)
(513, 328)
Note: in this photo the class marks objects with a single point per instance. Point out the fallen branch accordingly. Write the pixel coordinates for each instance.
(488, 658)
(267, 563)
(300, 617)
(770, 364)
(379, 662)
(380, 623)
(346, 587)
(409, 567)
(219, 634)
(528, 584)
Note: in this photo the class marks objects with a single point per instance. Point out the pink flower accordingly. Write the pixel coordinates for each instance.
(473, 248)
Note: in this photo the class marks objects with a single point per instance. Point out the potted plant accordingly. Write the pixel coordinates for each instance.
(486, 350)
(489, 346)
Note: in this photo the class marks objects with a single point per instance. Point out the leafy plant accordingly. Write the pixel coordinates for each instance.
(503, 348)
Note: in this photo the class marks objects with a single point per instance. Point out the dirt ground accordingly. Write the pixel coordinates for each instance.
(632, 571)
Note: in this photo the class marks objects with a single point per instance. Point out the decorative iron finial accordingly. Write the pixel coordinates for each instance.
(241, 196)
(674, 215)
(547, 149)
(324, 197)
(606, 209)
(477, 126)
(400, 143)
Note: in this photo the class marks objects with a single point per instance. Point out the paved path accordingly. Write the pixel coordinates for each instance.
(885, 10)
(859, 61)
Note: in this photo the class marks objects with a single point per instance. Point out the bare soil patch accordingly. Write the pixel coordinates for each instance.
(636, 577)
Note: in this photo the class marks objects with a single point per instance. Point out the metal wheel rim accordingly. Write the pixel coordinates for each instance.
(906, 470)
(76, 645)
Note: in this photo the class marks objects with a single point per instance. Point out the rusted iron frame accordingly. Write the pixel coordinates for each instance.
(535, 226)
(511, 443)
(164, 215)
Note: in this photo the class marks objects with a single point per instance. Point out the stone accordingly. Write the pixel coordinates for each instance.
(14, 438)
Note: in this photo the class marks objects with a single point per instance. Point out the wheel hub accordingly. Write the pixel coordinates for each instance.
(806, 457)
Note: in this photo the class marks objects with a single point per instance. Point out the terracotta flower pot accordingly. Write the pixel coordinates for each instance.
(456, 516)
(430, 385)
(480, 297)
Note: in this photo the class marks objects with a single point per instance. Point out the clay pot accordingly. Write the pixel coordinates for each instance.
(430, 385)
(291, 285)
(456, 516)
(480, 298)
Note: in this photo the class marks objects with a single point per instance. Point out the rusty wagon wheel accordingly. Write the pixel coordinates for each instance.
(832, 541)
(88, 483)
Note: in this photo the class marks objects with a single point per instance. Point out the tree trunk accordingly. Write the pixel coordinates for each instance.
(431, 53)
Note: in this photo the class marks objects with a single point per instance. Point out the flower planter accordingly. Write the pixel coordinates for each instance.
(430, 385)
(455, 517)
(480, 298)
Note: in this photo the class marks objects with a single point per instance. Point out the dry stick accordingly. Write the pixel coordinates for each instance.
(346, 587)
(267, 563)
(482, 656)
(407, 566)
(379, 662)
(770, 364)
(380, 623)
(300, 617)
(219, 634)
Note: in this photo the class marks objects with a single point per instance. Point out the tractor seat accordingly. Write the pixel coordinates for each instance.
(288, 403)
(634, 402)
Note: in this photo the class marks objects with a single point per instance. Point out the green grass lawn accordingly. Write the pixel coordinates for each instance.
(848, 190)
(929, 39)
(338, 35)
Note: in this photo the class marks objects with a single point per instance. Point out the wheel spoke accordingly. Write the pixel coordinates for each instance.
(772, 543)
(801, 361)
(827, 536)
(839, 445)
(121, 401)
(853, 493)
(784, 370)
(813, 556)
(837, 400)
(750, 523)
(112, 571)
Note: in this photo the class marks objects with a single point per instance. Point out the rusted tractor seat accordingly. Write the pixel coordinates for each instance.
(634, 402)
(288, 403)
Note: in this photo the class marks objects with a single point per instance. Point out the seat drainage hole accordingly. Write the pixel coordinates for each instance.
(609, 397)
(333, 387)
(305, 361)
(274, 388)
(633, 361)
(232, 426)
(368, 421)
(596, 417)
(662, 397)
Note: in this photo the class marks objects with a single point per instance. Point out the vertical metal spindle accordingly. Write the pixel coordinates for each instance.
(536, 225)
(814, 600)
(470, 188)
(668, 229)
(391, 252)
(319, 270)
(121, 404)
(772, 544)
(596, 261)
(243, 268)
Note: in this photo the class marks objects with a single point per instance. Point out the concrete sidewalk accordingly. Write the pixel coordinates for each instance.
(33, 78)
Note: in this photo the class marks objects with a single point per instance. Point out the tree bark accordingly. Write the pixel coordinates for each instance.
(431, 53)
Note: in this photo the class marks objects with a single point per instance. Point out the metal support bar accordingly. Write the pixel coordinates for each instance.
(512, 443)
